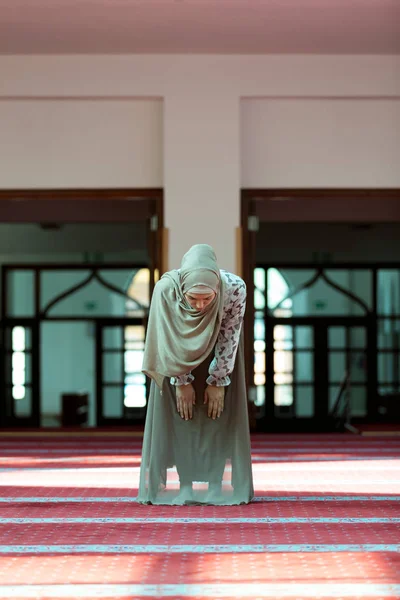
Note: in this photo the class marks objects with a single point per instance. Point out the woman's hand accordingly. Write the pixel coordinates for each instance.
(214, 397)
(185, 398)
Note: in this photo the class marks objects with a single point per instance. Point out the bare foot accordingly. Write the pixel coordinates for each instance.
(185, 494)
(214, 494)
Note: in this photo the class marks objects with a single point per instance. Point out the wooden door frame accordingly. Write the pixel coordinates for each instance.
(280, 205)
(91, 206)
(122, 205)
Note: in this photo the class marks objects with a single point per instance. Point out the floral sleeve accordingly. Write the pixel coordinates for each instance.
(228, 339)
(182, 379)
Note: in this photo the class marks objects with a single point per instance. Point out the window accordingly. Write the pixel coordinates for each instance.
(275, 289)
(18, 363)
(134, 379)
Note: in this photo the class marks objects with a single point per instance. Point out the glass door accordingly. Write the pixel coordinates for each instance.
(20, 406)
(348, 358)
(315, 327)
(293, 363)
(307, 363)
(121, 388)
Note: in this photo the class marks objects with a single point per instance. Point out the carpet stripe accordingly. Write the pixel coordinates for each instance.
(266, 450)
(188, 520)
(236, 590)
(128, 499)
(126, 470)
(255, 459)
(193, 549)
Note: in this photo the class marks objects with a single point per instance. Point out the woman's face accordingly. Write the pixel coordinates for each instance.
(200, 301)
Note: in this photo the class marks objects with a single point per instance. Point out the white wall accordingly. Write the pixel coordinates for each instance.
(202, 148)
(202, 174)
(85, 143)
(310, 143)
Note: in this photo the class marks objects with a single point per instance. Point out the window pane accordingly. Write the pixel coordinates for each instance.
(18, 339)
(23, 406)
(337, 337)
(357, 398)
(113, 367)
(259, 364)
(259, 278)
(358, 370)
(358, 337)
(386, 367)
(18, 390)
(282, 345)
(283, 395)
(133, 361)
(323, 299)
(134, 337)
(358, 282)
(259, 379)
(304, 337)
(113, 402)
(54, 283)
(278, 289)
(260, 397)
(358, 401)
(138, 289)
(96, 298)
(20, 293)
(334, 391)
(283, 332)
(388, 292)
(28, 368)
(18, 378)
(28, 339)
(259, 329)
(113, 337)
(283, 362)
(136, 379)
(18, 361)
(337, 366)
(259, 346)
(305, 401)
(135, 396)
(259, 299)
(280, 378)
(304, 362)
(388, 332)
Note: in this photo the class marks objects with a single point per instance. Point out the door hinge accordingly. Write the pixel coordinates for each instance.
(253, 223)
(154, 223)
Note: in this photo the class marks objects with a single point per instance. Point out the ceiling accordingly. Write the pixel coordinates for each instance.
(200, 26)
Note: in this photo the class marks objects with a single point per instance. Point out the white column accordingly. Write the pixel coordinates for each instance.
(202, 171)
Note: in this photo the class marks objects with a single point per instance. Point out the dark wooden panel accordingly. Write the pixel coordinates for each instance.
(78, 206)
(320, 205)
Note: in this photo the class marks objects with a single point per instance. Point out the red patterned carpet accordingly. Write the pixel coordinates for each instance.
(325, 523)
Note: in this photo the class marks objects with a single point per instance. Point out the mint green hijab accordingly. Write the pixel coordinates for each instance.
(179, 338)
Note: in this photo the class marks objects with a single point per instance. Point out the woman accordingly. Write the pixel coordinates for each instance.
(196, 446)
